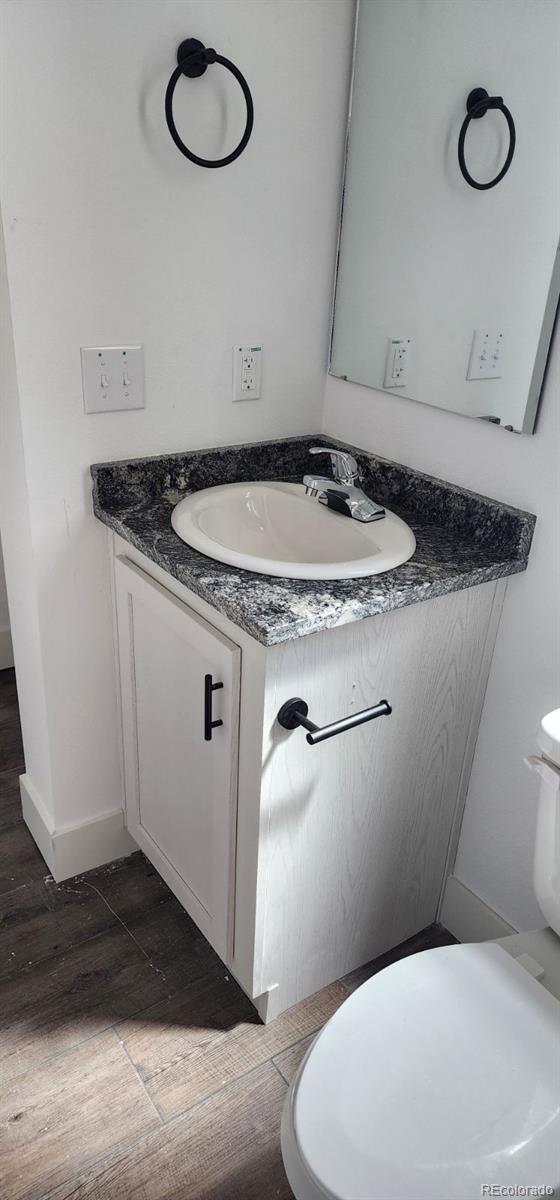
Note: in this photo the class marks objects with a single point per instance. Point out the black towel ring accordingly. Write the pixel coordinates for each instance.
(193, 58)
(478, 103)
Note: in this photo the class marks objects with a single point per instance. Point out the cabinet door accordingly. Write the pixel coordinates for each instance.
(181, 789)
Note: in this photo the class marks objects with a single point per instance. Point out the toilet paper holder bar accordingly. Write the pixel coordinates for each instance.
(294, 713)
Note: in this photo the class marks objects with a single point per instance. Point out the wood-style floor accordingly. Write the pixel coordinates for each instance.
(132, 1067)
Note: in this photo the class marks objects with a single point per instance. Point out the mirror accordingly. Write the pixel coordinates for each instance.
(447, 288)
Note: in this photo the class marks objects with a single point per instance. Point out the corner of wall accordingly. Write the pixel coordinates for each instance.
(17, 550)
(71, 850)
(468, 917)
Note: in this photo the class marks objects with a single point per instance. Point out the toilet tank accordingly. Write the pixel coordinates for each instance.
(546, 868)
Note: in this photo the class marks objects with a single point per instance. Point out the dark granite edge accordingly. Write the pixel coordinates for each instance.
(431, 591)
(415, 594)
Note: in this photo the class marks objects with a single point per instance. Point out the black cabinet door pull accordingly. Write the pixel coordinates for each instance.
(209, 724)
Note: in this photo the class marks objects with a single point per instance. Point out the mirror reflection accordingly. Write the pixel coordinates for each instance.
(448, 276)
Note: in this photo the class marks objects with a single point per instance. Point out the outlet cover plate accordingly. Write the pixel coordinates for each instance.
(247, 367)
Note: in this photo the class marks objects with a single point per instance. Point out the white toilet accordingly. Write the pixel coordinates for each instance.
(441, 1074)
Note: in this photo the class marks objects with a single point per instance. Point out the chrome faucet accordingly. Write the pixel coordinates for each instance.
(342, 493)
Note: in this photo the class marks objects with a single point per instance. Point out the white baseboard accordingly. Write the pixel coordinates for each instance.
(37, 819)
(6, 652)
(468, 918)
(72, 849)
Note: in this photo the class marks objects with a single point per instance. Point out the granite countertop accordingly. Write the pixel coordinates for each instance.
(462, 539)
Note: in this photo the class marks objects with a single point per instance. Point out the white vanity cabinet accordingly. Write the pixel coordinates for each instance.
(181, 786)
(298, 862)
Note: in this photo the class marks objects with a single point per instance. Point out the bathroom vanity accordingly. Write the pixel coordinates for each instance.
(301, 862)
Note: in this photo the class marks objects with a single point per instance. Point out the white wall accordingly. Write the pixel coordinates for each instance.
(496, 845)
(423, 255)
(112, 236)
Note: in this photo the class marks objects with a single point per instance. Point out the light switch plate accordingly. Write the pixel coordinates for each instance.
(247, 362)
(112, 378)
(487, 350)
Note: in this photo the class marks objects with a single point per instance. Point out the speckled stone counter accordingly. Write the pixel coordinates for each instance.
(462, 539)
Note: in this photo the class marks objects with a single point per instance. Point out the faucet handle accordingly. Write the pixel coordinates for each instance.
(344, 466)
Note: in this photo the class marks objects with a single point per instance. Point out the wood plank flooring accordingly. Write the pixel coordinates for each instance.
(131, 1064)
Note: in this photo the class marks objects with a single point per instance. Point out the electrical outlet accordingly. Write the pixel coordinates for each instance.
(247, 372)
(112, 378)
(397, 363)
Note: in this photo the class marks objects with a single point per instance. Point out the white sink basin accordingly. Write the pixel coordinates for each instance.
(275, 529)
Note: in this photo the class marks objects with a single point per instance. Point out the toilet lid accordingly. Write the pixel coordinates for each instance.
(437, 1076)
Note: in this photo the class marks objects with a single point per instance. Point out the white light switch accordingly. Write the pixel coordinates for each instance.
(397, 363)
(247, 372)
(112, 378)
(486, 354)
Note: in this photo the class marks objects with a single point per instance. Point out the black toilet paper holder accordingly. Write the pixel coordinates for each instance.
(294, 713)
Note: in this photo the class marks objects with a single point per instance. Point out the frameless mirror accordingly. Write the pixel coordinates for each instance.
(448, 275)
